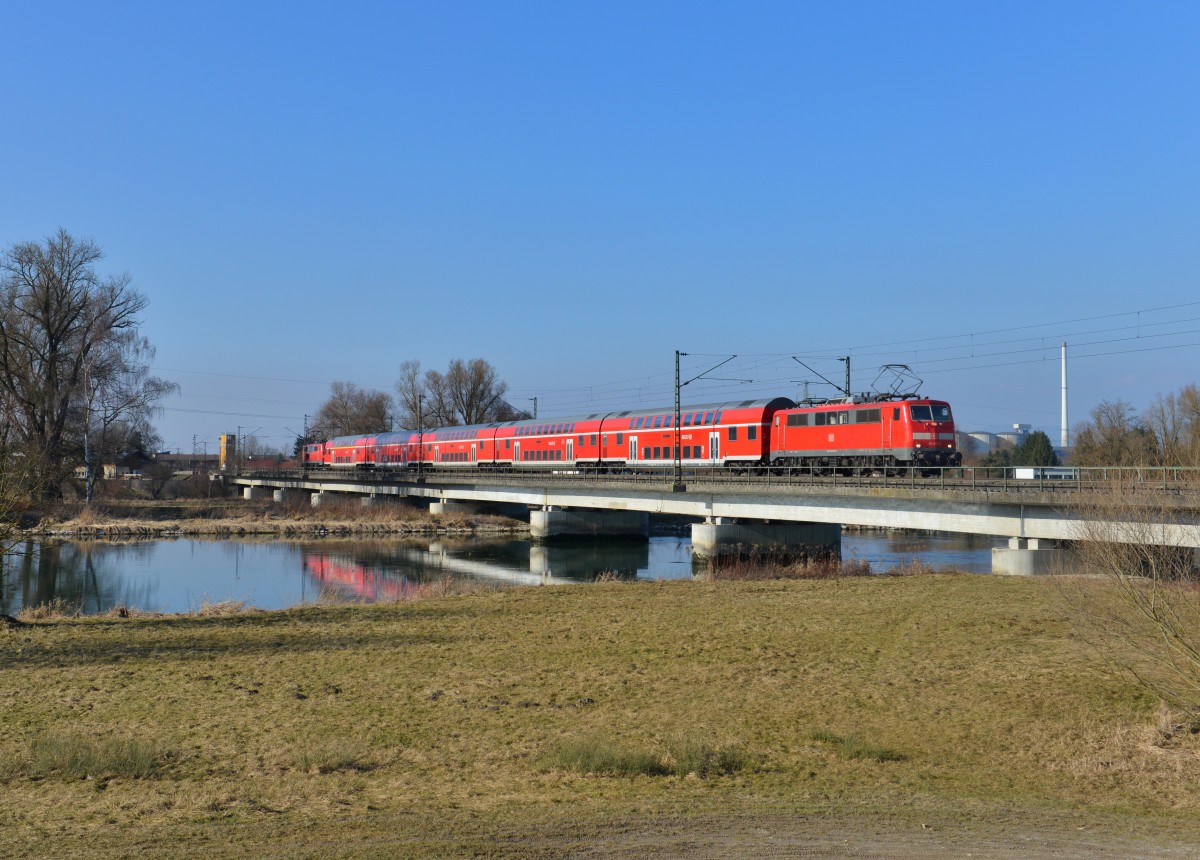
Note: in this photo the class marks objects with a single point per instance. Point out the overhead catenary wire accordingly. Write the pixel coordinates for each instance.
(768, 374)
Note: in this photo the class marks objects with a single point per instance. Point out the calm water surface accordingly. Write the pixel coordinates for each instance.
(180, 575)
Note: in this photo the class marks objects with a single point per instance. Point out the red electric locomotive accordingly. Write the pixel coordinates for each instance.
(866, 436)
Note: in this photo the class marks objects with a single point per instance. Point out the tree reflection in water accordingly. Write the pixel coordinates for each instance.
(83, 577)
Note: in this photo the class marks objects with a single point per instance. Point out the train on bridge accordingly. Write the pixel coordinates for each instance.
(833, 437)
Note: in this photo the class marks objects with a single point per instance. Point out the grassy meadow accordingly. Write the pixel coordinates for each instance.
(531, 722)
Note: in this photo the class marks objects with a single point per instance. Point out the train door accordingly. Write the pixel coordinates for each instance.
(516, 452)
(714, 447)
(474, 452)
(570, 450)
(437, 453)
(891, 421)
(633, 449)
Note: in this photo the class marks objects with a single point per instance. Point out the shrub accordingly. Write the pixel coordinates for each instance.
(854, 747)
(1140, 606)
(59, 607)
(752, 568)
(689, 755)
(330, 756)
(76, 756)
(597, 756)
(684, 756)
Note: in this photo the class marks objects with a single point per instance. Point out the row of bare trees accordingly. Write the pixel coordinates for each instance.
(75, 381)
(1166, 434)
(468, 392)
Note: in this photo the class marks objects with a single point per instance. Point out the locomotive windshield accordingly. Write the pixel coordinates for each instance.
(932, 412)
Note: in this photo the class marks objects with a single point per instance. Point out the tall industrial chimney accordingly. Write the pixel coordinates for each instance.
(1063, 437)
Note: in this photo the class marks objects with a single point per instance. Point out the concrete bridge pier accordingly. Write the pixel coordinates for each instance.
(1031, 557)
(289, 496)
(550, 522)
(251, 493)
(720, 537)
(446, 506)
(319, 498)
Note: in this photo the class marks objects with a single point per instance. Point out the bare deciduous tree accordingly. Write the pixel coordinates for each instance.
(475, 391)
(351, 410)
(1173, 421)
(18, 473)
(410, 395)
(1113, 436)
(469, 392)
(118, 397)
(1141, 606)
(59, 319)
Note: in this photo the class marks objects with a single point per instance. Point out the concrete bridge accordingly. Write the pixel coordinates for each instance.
(1036, 515)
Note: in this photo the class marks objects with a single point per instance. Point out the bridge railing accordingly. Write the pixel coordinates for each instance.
(1136, 479)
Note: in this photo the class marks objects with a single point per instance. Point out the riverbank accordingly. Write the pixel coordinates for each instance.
(893, 716)
(239, 518)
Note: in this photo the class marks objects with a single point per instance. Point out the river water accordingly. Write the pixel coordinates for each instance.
(182, 574)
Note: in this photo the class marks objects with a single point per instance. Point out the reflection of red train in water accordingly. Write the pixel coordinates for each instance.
(363, 581)
(836, 436)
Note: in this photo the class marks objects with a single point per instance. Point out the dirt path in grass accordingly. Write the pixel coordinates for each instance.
(831, 836)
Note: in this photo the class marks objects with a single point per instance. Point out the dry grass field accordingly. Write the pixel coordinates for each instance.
(894, 716)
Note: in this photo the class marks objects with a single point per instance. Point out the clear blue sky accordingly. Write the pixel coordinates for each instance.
(316, 192)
